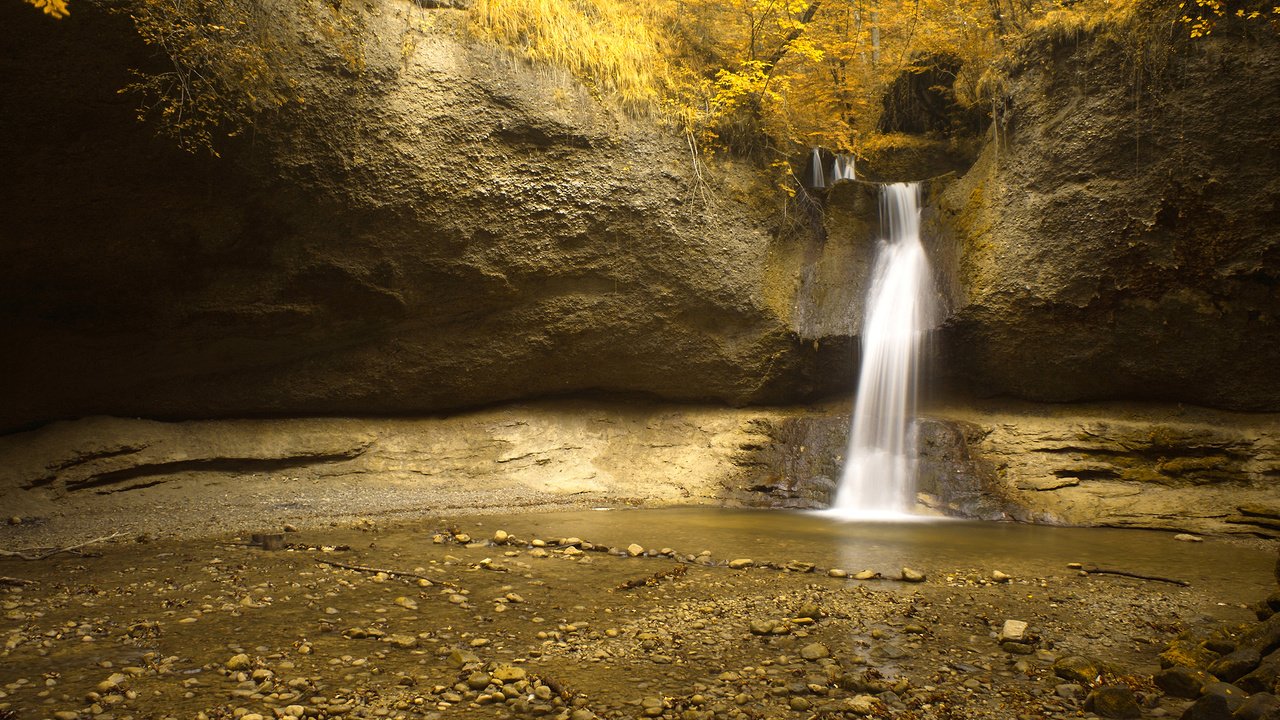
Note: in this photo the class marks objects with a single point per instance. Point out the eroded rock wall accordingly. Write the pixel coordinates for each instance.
(447, 228)
(1120, 238)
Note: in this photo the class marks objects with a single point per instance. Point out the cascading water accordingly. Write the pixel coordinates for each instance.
(879, 473)
(817, 178)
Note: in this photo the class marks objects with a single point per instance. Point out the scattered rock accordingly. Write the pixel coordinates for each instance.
(478, 680)
(1259, 706)
(1000, 577)
(1234, 696)
(1015, 630)
(1188, 537)
(404, 641)
(1076, 668)
(867, 575)
(1184, 652)
(1236, 665)
(910, 575)
(741, 563)
(459, 657)
(1208, 707)
(500, 537)
(509, 673)
(1071, 691)
(239, 662)
(837, 573)
(634, 550)
(815, 651)
(1113, 701)
(1181, 681)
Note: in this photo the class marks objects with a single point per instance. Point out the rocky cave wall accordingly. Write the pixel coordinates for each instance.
(448, 228)
(1121, 236)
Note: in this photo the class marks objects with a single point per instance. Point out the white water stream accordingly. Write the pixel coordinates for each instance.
(878, 480)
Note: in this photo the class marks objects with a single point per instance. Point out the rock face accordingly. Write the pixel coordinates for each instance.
(1149, 466)
(110, 474)
(1120, 241)
(447, 228)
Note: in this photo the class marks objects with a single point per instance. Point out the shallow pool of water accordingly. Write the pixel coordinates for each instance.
(929, 545)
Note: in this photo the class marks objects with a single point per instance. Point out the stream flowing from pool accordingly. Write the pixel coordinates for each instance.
(878, 480)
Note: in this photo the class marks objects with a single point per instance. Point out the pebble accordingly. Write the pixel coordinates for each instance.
(1000, 577)
(741, 563)
(1015, 630)
(500, 537)
(815, 651)
(1188, 537)
(837, 573)
(866, 575)
(910, 575)
(635, 550)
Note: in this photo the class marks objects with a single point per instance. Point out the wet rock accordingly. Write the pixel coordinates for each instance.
(1232, 694)
(867, 575)
(1232, 667)
(509, 673)
(1076, 668)
(634, 550)
(500, 537)
(1000, 577)
(815, 651)
(1188, 537)
(1017, 648)
(460, 658)
(1264, 677)
(1257, 707)
(837, 573)
(478, 680)
(910, 575)
(799, 566)
(1181, 681)
(741, 563)
(1070, 691)
(1184, 652)
(1113, 701)
(1208, 707)
(403, 641)
(239, 662)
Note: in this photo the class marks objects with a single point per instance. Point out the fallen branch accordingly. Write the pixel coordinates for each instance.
(385, 571)
(655, 578)
(1122, 573)
(56, 551)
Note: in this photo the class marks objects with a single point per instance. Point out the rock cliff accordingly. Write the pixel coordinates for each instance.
(447, 228)
(1120, 237)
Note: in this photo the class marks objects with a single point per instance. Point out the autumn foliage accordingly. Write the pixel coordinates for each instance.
(56, 8)
(760, 78)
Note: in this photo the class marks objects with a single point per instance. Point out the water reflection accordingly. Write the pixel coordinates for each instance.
(933, 546)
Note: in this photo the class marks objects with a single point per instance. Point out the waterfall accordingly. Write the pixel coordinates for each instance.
(844, 169)
(817, 179)
(879, 472)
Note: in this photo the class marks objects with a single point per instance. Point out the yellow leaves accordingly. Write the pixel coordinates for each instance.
(606, 43)
(54, 8)
(1202, 16)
